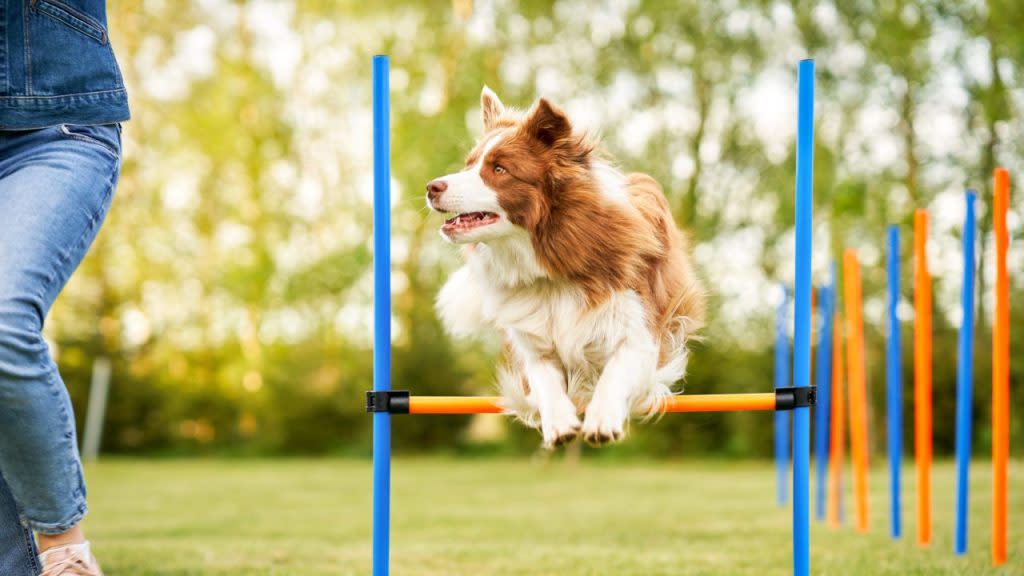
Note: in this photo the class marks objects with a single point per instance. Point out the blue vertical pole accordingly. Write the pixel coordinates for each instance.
(823, 408)
(833, 280)
(381, 314)
(894, 380)
(964, 385)
(802, 316)
(782, 416)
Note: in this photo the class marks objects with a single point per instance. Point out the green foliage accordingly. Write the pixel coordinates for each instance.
(231, 285)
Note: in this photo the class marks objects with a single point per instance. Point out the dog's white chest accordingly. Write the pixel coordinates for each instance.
(545, 318)
(556, 322)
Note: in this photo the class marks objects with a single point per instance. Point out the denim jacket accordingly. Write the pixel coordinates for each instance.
(56, 65)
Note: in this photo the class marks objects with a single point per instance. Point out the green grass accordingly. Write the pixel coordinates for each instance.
(482, 517)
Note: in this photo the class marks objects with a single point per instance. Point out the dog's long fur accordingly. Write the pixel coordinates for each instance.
(580, 267)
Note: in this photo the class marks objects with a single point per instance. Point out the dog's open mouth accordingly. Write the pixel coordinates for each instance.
(468, 221)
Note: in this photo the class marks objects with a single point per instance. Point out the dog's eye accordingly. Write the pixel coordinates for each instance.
(499, 169)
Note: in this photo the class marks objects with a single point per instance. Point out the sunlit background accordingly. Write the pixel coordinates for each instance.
(231, 285)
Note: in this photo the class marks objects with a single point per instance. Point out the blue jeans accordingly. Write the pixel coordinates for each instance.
(56, 185)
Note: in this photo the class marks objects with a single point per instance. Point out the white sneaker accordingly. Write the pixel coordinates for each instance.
(70, 560)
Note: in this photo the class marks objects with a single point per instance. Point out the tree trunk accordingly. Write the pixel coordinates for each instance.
(993, 113)
(907, 109)
(689, 208)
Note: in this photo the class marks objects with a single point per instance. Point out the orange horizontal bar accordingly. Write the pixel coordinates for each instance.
(689, 403)
(455, 405)
(721, 402)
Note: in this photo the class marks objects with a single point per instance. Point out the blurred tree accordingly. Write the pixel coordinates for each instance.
(231, 284)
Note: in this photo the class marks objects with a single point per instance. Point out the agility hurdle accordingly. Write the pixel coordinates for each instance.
(402, 402)
(382, 402)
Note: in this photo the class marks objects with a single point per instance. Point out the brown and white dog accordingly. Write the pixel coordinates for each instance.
(580, 267)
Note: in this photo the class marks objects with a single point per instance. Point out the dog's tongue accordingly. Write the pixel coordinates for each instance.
(469, 217)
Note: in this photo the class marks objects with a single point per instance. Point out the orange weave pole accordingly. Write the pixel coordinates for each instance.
(1000, 371)
(837, 438)
(689, 403)
(858, 387)
(922, 378)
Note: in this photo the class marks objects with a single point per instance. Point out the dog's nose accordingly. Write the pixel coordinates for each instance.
(435, 188)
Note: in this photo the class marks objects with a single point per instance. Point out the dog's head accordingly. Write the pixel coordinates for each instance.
(513, 175)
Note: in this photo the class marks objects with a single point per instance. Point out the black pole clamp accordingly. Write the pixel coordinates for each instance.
(390, 401)
(795, 397)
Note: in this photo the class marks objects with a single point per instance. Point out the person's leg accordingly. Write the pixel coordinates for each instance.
(55, 188)
(18, 556)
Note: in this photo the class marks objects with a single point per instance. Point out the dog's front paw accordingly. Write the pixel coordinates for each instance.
(561, 427)
(604, 424)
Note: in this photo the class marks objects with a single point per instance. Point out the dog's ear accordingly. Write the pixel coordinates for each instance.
(491, 107)
(546, 123)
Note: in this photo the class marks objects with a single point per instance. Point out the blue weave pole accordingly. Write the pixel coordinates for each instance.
(381, 314)
(894, 384)
(823, 407)
(802, 316)
(782, 416)
(964, 385)
(833, 282)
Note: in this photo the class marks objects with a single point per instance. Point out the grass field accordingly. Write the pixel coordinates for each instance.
(481, 517)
